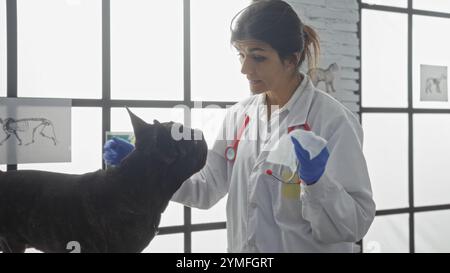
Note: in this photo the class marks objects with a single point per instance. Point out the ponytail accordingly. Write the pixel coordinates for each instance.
(311, 49)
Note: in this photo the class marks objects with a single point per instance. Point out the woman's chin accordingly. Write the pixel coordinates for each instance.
(256, 91)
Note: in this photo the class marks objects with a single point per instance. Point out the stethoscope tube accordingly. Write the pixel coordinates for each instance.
(231, 150)
(287, 181)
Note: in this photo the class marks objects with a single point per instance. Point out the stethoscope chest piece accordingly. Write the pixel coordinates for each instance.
(231, 150)
(230, 153)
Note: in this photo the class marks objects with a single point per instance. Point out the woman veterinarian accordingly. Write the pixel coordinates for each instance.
(326, 204)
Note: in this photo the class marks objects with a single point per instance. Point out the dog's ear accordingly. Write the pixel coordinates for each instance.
(138, 124)
(156, 122)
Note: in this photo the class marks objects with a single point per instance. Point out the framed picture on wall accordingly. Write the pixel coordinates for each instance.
(35, 130)
(433, 83)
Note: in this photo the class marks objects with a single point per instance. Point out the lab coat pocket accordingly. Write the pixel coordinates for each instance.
(291, 191)
(287, 191)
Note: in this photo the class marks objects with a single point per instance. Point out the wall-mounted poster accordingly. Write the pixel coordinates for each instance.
(35, 130)
(433, 83)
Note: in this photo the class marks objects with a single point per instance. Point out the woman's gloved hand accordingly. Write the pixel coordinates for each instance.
(310, 170)
(115, 150)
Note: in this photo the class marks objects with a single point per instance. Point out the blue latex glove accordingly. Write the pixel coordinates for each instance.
(310, 170)
(115, 150)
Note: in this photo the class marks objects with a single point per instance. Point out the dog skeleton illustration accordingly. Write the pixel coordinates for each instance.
(430, 82)
(12, 126)
(326, 75)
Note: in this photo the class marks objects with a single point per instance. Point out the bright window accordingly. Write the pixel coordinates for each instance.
(384, 59)
(431, 234)
(431, 48)
(434, 5)
(406, 177)
(147, 50)
(209, 241)
(388, 170)
(215, 65)
(431, 175)
(59, 48)
(388, 234)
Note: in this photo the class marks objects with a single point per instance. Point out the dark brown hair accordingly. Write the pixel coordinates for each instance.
(276, 23)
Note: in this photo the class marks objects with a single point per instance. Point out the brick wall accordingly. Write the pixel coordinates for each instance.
(336, 22)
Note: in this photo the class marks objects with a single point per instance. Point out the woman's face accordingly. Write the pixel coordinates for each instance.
(262, 65)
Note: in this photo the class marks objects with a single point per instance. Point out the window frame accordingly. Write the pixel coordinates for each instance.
(106, 103)
(410, 110)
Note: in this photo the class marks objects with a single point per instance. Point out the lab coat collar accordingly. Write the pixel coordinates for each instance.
(298, 105)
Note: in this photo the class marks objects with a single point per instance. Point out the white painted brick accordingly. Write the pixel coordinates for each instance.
(349, 74)
(336, 22)
(346, 85)
(302, 3)
(347, 96)
(333, 27)
(323, 12)
(341, 60)
(334, 48)
(346, 4)
(338, 25)
(329, 43)
(351, 106)
(317, 25)
(343, 38)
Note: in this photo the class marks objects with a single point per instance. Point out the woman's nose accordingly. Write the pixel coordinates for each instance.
(245, 66)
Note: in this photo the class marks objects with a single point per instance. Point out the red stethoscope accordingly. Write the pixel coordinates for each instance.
(231, 150)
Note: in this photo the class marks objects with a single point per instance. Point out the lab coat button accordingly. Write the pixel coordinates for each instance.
(253, 205)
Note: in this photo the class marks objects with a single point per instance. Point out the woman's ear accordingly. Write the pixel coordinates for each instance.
(292, 61)
(297, 55)
(295, 59)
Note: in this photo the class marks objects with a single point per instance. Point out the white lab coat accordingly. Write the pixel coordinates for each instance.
(264, 215)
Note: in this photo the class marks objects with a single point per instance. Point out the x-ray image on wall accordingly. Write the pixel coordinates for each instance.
(35, 130)
(433, 83)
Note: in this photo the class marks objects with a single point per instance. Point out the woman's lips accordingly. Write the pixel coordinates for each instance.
(254, 81)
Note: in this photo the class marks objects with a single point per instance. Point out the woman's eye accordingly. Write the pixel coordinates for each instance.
(259, 59)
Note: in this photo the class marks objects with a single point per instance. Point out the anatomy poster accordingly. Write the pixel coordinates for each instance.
(35, 130)
(433, 83)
